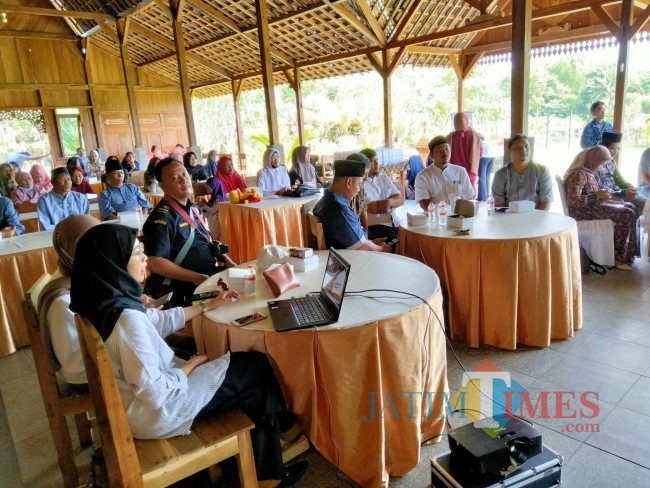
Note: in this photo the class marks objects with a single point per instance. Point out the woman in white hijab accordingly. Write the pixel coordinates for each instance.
(273, 178)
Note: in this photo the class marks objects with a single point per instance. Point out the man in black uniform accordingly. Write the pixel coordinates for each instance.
(181, 252)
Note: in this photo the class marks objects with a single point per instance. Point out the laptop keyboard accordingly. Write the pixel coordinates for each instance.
(309, 311)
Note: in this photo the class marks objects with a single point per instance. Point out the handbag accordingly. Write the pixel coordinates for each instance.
(281, 279)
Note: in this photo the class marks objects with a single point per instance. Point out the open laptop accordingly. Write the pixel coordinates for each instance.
(324, 309)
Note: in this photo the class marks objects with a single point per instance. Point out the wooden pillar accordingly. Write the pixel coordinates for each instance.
(123, 32)
(521, 32)
(388, 106)
(267, 71)
(176, 7)
(236, 92)
(300, 116)
(87, 49)
(621, 64)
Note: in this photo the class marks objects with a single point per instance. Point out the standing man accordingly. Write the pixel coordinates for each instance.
(60, 203)
(609, 177)
(593, 131)
(341, 226)
(182, 254)
(382, 198)
(437, 182)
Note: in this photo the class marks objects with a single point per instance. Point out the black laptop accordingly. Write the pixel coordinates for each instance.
(323, 309)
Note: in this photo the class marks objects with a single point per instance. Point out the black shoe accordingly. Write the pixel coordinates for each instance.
(293, 474)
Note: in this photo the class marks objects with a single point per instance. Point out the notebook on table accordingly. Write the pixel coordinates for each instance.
(323, 309)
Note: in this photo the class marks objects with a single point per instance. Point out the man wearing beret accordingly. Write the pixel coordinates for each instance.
(440, 180)
(341, 226)
(119, 196)
(382, 197)
(610, 178)
(60, 203)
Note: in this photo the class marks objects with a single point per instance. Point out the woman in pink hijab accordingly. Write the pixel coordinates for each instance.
(230, 179)
(465, 145)
(40, 178)
(588, 202)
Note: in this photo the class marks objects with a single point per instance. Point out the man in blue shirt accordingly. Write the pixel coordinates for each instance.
(594, 130)
(119, 196)
(9, 222)
(341, 225)
(60, 203)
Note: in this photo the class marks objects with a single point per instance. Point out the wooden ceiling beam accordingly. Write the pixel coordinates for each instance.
(432, 50)
(640, 21)
(52, 12)
(607, 20)
(214, 13)
(162, 5)
(376, 63)
(140, 7)
(351, 16)
(366, 11)
(406, 19)
(38, 35)
(395, 61)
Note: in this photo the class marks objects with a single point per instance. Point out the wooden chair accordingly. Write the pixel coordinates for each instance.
(158, 462)
(59, 403)
(316, 229)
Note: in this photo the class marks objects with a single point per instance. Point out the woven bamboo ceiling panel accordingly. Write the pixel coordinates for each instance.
(326, 38)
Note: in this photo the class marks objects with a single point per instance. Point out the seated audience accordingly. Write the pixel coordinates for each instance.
(162, 394)
(586, 201)
(382, 198)
(644, 174)
(441, 181)
(150, 183)
(9, 221)
(341, 226)
(26, 195)
(358, 202)
(303, 172)
(196, 171)
(40, 177)
(608, 176)
(521, 179)
(95, 166)
(119, 196)
(7, 180)
(129, 163)
(211, 206)
(167, 229)
(273, 178)
(593, 131)
(79, 183)
(83, 159)
(113, 162)
(61, 202)
(230, 179)
(54, 300)
(211, 163)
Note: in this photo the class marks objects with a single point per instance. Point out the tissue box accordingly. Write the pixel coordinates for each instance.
(304, 264)
(301, 252)
(460, 222)
(416, 218)
(236, 279)
(522, 206)
(131, 216)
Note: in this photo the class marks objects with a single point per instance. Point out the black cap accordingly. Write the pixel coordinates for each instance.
(113, 164)
(349, 168)
(611, 137)
(369, 153)
(59, 171)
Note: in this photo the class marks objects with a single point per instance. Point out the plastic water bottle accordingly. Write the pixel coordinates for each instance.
(431, 212)
(249, 282)
(490, 205)
(138, 211)
(442, 213)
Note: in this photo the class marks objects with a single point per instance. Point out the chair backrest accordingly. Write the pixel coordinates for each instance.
(560, 190)
(137, 177)
(316, 229)
(117, 442)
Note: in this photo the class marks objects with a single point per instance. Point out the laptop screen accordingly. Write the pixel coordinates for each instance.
(334, 281)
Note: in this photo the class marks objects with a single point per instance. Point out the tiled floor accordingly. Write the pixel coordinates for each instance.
(610, 355)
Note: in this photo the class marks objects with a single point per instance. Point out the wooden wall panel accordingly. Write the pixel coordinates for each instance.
(9, 66)
(106, 68)
(65, 98)
(113, 100)
(159, 101)
(19, 99)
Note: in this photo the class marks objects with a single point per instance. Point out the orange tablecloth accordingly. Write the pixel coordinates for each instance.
(329, 376)
(20, 270)
(248, 228)
(503, 288)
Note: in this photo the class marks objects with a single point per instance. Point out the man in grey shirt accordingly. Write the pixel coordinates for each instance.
(522, 179)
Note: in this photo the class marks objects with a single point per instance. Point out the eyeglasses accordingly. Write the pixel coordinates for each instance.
(139, 252)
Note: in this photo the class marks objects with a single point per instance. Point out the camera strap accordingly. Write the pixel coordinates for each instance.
(189, 218)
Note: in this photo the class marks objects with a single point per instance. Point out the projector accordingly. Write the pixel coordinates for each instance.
(485, 446)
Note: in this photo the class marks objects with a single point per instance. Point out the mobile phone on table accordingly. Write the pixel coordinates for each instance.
(392, 242)
(163, 300)
(248, 319)
(205, 295)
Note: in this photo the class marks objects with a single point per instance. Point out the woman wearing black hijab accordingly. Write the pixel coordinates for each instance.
(196, 171)
(162, 394)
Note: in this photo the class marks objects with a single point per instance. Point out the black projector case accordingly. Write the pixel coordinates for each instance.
(541, 471)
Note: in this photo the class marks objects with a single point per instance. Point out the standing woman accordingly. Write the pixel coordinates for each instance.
(211, 207)
(230, 179)
(302, 171)
(588, 202)
(162, 394)
(211, 164)
(273, 178)
(7, 180)
(465, 145)
(196, 171)
(40, 178)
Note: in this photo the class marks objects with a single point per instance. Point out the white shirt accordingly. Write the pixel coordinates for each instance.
(380, 187)
(434, 183)
(65, 341)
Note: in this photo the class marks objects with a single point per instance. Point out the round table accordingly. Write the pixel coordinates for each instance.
(515, 279)
(383, 353)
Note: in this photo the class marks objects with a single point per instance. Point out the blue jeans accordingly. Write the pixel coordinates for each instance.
(484, 172)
